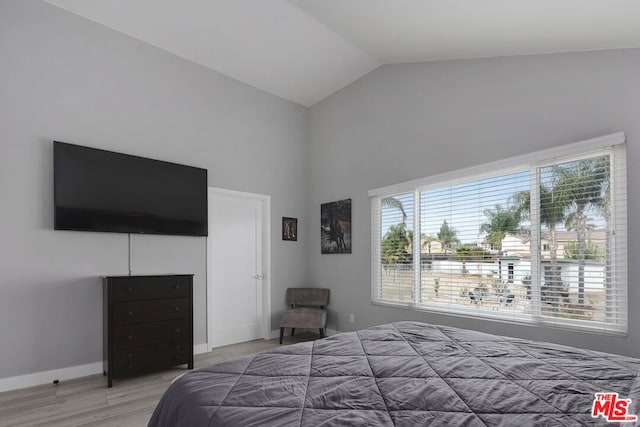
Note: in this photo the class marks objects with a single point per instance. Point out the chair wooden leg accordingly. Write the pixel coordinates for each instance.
(293, 331)
(321, 332)
(281, 334)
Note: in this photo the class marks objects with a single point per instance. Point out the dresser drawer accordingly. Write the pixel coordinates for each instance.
(128, 313)
(125, 337)
(142, 288)
(150, 358)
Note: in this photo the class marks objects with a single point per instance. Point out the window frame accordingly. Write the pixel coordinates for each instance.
(614, 144)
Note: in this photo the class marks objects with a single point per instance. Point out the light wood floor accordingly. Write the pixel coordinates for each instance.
(130, 402)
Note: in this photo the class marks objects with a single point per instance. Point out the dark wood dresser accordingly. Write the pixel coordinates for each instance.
(148, 324)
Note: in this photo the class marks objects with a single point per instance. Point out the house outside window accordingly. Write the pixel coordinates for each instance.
(538, 239)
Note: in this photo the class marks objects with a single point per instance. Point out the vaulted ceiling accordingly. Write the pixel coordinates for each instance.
(305, 50)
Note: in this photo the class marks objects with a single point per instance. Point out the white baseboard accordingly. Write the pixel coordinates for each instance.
(63, 374)
(200, 348)
(287, 332)
(47, 377)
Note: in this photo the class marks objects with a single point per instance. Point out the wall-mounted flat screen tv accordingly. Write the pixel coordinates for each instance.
(98, 190)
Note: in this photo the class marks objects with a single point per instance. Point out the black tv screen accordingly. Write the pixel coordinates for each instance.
(98, 190)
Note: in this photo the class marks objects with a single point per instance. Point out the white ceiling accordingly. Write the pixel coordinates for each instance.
(305, 50)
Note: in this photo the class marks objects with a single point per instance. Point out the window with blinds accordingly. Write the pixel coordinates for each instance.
(536, 239)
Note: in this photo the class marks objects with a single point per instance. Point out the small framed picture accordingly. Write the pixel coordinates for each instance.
(290, 229)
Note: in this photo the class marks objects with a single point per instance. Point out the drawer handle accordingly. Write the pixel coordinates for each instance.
(129, 290)
(177, 330)
(129, 337)
(177, 346)
(177, 286)
(130, 355)
(177, 308)
(130, 313)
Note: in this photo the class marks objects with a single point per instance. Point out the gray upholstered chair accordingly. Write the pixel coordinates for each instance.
(308, 310)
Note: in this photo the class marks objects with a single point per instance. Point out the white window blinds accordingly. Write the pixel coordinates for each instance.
(541, 240)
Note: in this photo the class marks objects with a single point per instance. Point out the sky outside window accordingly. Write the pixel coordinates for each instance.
(461, 205)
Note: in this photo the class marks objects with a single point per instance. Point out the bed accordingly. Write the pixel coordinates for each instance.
(403, 374)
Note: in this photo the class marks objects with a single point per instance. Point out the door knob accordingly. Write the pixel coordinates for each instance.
(258, 276)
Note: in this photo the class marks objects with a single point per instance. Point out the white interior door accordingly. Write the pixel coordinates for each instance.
(237, 298)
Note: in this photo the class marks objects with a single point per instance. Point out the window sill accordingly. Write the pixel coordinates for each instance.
(513, 318)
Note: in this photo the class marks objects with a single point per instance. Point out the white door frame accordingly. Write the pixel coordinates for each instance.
(266, 261)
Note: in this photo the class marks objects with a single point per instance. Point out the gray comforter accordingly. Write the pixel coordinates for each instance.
(403, 374)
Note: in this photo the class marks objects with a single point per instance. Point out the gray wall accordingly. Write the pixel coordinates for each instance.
(66, 78)
(402, 122)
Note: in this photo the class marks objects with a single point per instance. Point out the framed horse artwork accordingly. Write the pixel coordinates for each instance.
(335, 227)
